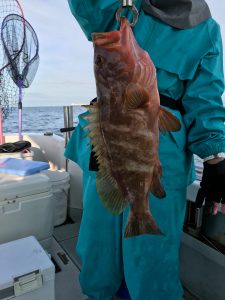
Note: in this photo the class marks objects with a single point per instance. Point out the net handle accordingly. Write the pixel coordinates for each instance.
(2, 139)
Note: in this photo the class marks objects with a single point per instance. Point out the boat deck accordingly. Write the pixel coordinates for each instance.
(64, 254)
(67, 263)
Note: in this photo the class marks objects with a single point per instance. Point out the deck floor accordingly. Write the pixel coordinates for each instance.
(64, 242)
(67, 285)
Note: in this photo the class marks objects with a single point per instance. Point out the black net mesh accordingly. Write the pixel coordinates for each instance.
(8, 89)
(21, 49)
(7, 7)
(8, 94)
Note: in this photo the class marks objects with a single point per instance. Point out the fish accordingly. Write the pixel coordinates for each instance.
(123, 128)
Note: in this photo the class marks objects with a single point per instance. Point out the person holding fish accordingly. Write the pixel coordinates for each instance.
(159, 88)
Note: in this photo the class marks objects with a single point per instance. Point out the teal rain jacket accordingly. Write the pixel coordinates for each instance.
(189, 65)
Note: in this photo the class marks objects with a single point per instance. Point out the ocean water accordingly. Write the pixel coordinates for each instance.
(40, 119)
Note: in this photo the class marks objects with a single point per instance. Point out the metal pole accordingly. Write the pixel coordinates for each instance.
(68, 122)
(198, 217)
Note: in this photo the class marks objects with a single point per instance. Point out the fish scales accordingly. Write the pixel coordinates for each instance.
(124, 126)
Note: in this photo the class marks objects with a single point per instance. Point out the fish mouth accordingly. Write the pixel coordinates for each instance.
(105, 39)
(124, 23)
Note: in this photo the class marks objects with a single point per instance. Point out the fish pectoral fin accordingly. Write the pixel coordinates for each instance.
(109, 193)
(135, 96)
(167, 121)
(156, 186)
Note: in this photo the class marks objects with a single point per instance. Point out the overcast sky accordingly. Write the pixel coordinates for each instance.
(65, 73)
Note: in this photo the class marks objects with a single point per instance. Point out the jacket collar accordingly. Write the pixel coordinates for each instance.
(180, 14)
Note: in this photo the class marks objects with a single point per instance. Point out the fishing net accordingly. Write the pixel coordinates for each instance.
(8, 90)
(8, 94)
(21, 47)
(7, 7)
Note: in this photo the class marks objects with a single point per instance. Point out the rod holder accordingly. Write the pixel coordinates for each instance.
(68, 121)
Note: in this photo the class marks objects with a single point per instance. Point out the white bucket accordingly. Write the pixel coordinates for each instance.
(60, 181)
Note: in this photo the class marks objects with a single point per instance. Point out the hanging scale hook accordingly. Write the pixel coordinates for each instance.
(128, 4)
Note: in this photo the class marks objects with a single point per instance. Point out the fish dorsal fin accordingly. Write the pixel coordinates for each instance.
(135, 96)
(156, 186)
(106, 185)
(167, 121)
(110, 193)
(95, 134)
(86, 106)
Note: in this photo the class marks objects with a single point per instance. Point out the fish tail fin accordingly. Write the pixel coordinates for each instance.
(141, 224)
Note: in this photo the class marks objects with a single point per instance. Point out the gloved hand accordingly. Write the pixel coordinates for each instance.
(212, 186)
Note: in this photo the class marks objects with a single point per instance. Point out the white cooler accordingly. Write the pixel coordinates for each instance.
(26, 208)
(60, 182)
(26, 272)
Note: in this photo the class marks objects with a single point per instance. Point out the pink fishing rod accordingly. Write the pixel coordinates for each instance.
(21, 10)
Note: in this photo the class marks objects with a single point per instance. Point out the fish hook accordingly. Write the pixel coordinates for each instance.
(128, 4)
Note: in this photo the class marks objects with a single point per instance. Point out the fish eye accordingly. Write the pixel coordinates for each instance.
(99, 61)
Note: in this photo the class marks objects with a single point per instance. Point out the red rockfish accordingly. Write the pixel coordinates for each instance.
(124, 128)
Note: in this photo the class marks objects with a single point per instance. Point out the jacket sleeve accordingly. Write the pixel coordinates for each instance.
(77, 148)
(204, 111)
(97, 15)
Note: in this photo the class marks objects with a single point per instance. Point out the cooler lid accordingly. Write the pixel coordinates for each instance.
(25, 266)
(12, 186)
(57, 176)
